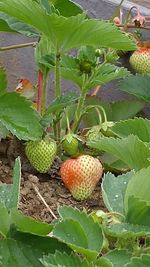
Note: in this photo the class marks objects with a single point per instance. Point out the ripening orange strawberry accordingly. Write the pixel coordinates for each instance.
(81, 175)
(140, 60)
(25, 88)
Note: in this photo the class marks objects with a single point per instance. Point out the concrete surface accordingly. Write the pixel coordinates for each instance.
(20, 63)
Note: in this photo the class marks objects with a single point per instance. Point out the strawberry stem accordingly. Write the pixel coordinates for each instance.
(39, 97)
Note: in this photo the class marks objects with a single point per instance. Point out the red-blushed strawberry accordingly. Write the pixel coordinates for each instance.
(41, 154)
(81, 175)
(140, 60)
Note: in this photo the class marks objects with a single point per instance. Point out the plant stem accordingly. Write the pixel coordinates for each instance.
(17, 46)
(79, 110)
(57, 76)
(39, 97)
(57, 88)
(45, 76)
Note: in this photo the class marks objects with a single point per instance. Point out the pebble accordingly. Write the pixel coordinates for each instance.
(34, 179)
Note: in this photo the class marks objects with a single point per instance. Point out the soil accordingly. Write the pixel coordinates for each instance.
(38, 188)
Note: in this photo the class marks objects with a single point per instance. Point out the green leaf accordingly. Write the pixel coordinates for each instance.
(136, 126)
(102, 75)
(126, 230)
(3, 131)
(131, 150)
(17, 26)
(4, 27)
(74, 230)
(9, 193)
(103, 262)
(137, 85)
(16, 254)
(68, 8)
(15, 189)
(113, 191)
(60, 103)
(143, 261)
(118, 257)
(43, 244)
(106, 73)
(4, 220)
(3, 81)
(64, 260)
(139, 186)
(27, 224)
(125, 109)
(138, 212)
(67, 33)
(86, 223)
(19, 118)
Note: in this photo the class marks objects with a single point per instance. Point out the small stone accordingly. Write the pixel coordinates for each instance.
(34, 179)
(25, 191)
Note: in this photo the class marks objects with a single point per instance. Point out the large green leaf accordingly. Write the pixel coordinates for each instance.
(131, 150)
(138, 212)
(67, 8)
(44, 244)
(126, 230)
(15, 191)
(136, 126)
(63, 260)
(74, 230)
(3, 81)
(101, 76)
(67, 33)
(143, 261)
(118, 257)
(139, 186)
(113, 191)
(16, 254)
(19, 118)
(9, 193)
(4, 26)
(27, 224)
(4, 220)
(15, 25)
(137, 85)
(125, 109)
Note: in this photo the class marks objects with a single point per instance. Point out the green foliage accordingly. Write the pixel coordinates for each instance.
(143, 261)
(64, 260)
(137, 85)
(113, 191)
(3, 81)
(131, 150)
(137, 126)
(74, 230)
(19, 118)
(67, 33)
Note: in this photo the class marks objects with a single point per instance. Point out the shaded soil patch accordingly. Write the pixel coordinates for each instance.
(51, 189)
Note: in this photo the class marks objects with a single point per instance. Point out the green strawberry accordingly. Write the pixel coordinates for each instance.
(140, 60)
(70, 144)
(41, 154)
(81, 175)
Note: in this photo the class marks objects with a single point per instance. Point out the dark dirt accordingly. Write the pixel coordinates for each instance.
(48, 186)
